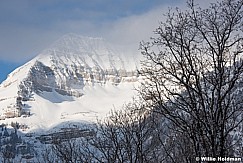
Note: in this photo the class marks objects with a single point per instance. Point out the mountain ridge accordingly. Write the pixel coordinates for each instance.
(62, 55)
(75, 75)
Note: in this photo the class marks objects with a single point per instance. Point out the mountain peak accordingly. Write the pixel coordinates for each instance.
(72, 63)
(76, 78)
(76, 43)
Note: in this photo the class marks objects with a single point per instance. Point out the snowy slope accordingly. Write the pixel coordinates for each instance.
(75, 79)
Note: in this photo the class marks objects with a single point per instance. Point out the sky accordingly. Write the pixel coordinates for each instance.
(29, 26)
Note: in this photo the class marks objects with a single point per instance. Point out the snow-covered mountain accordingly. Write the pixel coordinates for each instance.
(75, 79)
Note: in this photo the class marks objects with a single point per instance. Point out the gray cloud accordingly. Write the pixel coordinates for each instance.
(27, 27)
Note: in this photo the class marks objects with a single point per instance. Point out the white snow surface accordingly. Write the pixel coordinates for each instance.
(54, 108)
(65, 58)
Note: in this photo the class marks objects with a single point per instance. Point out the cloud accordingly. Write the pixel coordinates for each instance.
(29, 27)
(130, 31)
(20, 44)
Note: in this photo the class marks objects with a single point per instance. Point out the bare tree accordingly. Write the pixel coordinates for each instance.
(46, 155)
(68, 150)
(191, 97)
(125, 136)
(193, 77)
